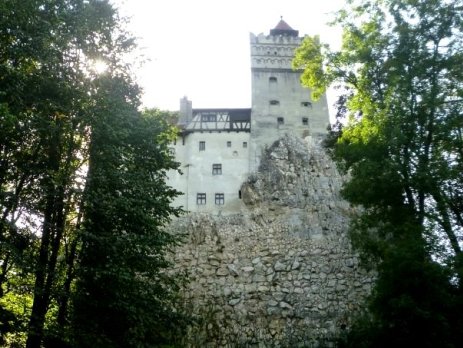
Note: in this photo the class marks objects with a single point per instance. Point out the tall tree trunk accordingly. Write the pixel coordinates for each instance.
(40, 303)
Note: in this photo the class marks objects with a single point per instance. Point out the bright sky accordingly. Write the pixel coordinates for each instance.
(200, 48)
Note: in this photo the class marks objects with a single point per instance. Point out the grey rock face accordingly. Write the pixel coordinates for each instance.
(282, 273)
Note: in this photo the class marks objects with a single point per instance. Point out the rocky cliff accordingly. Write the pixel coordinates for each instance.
(281, 273)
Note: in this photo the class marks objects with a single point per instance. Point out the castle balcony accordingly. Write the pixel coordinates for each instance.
(219, 120)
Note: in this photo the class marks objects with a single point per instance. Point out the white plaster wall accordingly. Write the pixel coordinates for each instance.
(197, 174)
(271, 57)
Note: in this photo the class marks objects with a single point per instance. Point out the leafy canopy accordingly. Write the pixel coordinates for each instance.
(401, 143)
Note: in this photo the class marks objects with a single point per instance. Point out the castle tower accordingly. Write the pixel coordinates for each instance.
(279, 102)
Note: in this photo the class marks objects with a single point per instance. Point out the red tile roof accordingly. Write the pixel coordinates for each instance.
(282, 25)
(284, 29)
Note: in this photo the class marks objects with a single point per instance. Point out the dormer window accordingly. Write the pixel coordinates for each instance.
(274, 102)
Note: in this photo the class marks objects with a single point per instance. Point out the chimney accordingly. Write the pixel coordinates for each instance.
(186, 111)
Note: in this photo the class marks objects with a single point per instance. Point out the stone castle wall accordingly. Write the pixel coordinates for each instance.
(281, 273)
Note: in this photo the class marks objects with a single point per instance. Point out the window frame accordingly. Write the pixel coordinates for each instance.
(201, 198)
(219, 199)
(202, 146)
(217, 169)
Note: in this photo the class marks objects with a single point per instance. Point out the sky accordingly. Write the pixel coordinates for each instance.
(200, 48)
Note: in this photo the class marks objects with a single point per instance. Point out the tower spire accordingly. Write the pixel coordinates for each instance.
(283, 28)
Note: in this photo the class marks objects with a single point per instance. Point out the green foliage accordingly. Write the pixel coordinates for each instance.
(125, 296)
(401, 144)
(78, 164)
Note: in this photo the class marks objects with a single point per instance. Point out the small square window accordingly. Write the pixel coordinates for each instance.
(228, 143)
(202, 146)
(217, 169)
(219, 199)
(305, 121)
(200, 198)
(280, 120)
(245, 144)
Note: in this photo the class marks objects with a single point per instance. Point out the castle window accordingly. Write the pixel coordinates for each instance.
(202, 146)
(280, 120)
(209, 117)
(274, 102)
(200, 198)
(219, 199)
(306, 104)
(217, 169)
(245, 144)
(239, 194)
(228, 143)
(305, 121)
(272, 79)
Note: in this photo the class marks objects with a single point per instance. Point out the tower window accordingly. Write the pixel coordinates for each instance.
(280, 120)
(219, 199)
(200, 198)
(272, 79)
(202, 146)
(217, 169)
(245, 144)
(305, 121)
(228, 143)
(306, 104)
(274, 102)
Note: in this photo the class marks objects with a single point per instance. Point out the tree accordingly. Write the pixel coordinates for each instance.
(400, 67)
(124, 294)
(53, 123)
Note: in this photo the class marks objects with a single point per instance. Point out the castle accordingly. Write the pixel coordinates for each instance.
(219, 148)
(266, 251)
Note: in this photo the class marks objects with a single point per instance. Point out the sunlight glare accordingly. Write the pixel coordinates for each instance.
(99, 66)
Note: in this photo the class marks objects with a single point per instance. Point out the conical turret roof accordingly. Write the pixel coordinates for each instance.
(283, 28)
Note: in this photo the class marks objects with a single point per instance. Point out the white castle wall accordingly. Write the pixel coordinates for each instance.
(277, 93)
(197, 174)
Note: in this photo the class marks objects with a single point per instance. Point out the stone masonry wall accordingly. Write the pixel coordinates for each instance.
(281, 273)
